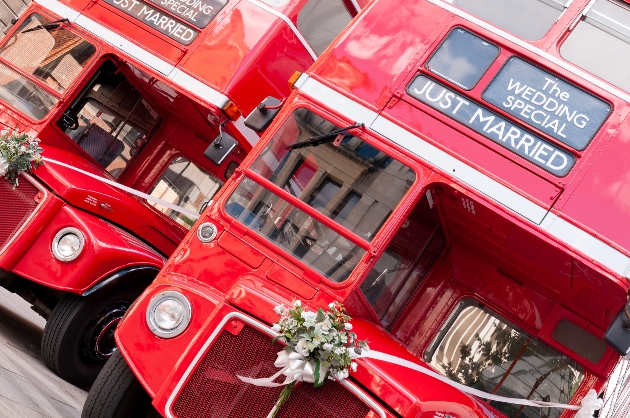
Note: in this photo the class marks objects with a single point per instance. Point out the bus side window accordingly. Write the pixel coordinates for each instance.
(320, 21)
(184, 184)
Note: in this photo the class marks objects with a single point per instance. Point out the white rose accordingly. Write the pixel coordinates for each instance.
(309, 315)
(348, 326)
(278, 309)
(4, 132)
(342, 374)
(327, 347)
(297, 303)
(301, 348)
(353, 366)
(276, 328)
(331, 305)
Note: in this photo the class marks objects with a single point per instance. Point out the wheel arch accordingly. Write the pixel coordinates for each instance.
(138, 274)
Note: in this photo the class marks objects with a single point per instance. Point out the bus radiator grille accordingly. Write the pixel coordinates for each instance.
(213, 390)
(15, 207)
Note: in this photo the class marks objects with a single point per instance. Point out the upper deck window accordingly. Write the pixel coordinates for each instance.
(528, 19)
(479, 349)
(354, 184)
(320, 21)
(462, 58)
(601, 42)
(49, 53)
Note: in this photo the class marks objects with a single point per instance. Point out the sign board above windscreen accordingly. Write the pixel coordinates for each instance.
(156, 19)
(196, 12)
(498, 129)
(548, 103)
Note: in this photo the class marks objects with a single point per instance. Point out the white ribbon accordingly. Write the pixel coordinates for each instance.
(295, 367)
(134, 192)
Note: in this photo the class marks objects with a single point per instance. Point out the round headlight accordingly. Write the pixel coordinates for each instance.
(168, 314)
(68, 244)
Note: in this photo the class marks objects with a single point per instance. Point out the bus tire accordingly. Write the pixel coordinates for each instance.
(79, 335)
(116, 393)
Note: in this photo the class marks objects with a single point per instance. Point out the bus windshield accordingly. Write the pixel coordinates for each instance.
(46, 51)
(343, 177)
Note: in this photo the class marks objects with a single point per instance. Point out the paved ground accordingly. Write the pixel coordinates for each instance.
(27, 388)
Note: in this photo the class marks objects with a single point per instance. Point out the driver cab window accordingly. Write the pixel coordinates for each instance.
(184, 184)
(110, 121)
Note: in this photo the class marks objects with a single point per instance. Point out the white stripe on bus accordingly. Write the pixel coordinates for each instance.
(557, 227)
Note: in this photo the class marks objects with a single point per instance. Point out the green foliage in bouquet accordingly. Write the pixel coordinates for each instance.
(18, 153)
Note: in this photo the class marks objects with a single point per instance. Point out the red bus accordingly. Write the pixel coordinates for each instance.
(139, 94)
(454, 173)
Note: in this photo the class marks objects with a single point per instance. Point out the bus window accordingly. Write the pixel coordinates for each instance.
(184, 184)
(601, 42)
(354, 180)
(320, 21)
(46, 51)
(462, 58)
(528, 19)
(407, 260)
(353, 183)
(479, 349)
(110, 121)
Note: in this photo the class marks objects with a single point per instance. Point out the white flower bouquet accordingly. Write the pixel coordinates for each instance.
(319, 345)
(18, 153)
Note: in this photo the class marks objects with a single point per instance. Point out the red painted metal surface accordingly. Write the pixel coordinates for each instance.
(509, 264)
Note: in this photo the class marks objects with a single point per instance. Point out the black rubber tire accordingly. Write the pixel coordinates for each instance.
(116, 393)
(65, 329)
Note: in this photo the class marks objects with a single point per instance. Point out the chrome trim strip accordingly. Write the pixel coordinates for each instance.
(337, 101)
(356, 6)
(27, 220)
(289, 23)
(266, 330)
(198, 88)
(511, 38)
(567, 233)
(177, 76)
(587, 244)
(124, 44)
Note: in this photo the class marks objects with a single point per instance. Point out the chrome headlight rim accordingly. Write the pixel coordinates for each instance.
(207, 232)
(153, 304)
(62, 233)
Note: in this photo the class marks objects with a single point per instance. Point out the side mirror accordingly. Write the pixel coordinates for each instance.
(263, 115)
(618, 333)
(220, 148)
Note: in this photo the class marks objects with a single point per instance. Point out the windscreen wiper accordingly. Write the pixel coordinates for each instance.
(48, 26)
(315, 141)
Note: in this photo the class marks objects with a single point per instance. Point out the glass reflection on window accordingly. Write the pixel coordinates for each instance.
(529, 19)
(601, 43)
(463, 58)
(293, 230)
(353, 182)
(478, 349)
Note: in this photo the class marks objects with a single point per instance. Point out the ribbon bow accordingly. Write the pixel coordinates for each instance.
(293, 366)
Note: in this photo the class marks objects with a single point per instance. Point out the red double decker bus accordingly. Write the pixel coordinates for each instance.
(454, 173)
(142, 95)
